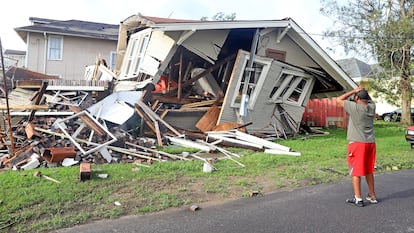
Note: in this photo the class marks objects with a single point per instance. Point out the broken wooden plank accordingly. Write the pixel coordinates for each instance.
(209, 119)
(265, 143)
(152, 114)
(88, 120)
(223, 137)
(156, 151)
(281, 152)
(201, 103)
(38, 99)
(188, 143)
(24, 107)
(109, 136)
(30, 132)
(122, 150)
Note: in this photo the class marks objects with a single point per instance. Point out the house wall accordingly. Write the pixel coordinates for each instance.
(78, 53)
(294, 54)
(265, 115)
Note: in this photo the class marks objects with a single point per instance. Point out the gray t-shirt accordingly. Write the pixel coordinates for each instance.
(361, 121)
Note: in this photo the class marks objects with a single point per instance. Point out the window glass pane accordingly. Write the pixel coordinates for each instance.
(55, 48)
(295, 95)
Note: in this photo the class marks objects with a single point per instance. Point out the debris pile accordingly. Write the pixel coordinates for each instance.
(83, 127)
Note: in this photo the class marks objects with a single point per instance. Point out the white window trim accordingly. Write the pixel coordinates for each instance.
(291, 75)
(61, 48)
(112, 60)
(134, 58)
(253, 96)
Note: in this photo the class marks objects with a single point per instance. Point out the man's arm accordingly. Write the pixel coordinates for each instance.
(341, 99)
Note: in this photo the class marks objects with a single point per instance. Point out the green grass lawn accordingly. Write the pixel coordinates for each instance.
(35, 204)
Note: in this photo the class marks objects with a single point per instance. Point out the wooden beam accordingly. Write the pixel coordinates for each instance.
(24, 107)
(38, 99)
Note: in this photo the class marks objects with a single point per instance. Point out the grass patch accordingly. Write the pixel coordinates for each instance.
(34, 204)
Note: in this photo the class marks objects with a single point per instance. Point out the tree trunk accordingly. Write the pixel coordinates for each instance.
(406, 93)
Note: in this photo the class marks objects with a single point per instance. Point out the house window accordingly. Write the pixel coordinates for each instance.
(134, 55)
(251, 85)
(55, 48)
(112, 60)
(291, 87)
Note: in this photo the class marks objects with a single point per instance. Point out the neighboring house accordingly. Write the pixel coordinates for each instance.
(362, 73)
(64, 48)
(265, 71)
(14, 58)
(358, 70)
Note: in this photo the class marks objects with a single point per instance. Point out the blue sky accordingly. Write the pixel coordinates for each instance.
(16, 13)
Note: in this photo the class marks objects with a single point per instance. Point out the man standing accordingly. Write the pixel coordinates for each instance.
(361, 147)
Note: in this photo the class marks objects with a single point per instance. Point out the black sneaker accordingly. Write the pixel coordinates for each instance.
(359, 203)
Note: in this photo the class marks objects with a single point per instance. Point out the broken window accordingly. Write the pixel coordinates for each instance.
(290, 87)
(55, 47)
(135, 54)
(250, 84)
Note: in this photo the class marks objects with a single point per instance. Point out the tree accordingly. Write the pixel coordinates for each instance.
(220, 16)
(385, 30)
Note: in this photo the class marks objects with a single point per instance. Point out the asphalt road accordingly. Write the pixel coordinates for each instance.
(319, 208)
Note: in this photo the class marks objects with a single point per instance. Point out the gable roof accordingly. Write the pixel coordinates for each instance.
(75, 28)
(354, 67)
(288, 27)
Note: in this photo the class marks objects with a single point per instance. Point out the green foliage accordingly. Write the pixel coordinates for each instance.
(35, 204)
(221, 16)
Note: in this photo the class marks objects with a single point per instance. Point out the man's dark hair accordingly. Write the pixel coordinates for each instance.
(363, 94)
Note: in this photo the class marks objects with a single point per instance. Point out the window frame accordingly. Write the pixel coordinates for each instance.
(135, 53)
(112, 60)
(266, 63)
(289, 85)
(59, 49)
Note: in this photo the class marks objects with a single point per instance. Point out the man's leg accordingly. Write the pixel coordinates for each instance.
(356, 184)
(370, 182)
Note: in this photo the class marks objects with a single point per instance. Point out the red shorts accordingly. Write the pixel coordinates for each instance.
(361, 158)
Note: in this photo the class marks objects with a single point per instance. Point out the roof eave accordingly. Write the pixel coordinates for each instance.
(23, 34)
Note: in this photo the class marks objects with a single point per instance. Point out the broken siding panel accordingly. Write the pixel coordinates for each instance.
(159, 45)
(207, 43)
(158, 48)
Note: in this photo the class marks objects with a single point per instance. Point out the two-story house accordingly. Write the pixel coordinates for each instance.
(64, 48)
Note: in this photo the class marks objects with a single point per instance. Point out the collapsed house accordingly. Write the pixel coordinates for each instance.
(230, 83)
(260, 74)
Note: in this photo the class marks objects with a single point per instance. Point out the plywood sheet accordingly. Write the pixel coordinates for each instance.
(209, 120)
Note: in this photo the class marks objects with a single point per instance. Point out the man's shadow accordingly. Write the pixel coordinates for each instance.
(399, 195)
